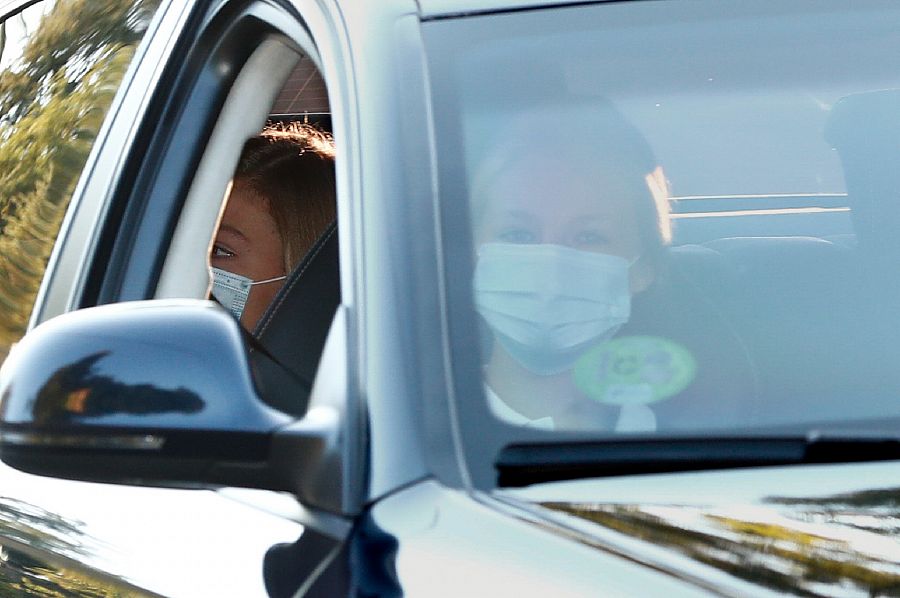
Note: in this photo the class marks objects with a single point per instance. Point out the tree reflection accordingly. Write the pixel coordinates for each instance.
(77, 391)
(875, 511)
(41, 529)
(26, 533)
(807, 547)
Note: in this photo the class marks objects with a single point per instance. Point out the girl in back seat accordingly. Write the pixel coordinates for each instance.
(592, 326)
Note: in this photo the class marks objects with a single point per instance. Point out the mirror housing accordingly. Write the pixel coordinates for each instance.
(158, 393)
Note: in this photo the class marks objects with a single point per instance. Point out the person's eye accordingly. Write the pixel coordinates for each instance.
(517, 235)
(219, 251)
(590, 238)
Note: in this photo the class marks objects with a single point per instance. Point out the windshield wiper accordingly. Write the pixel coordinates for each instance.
(524, 464)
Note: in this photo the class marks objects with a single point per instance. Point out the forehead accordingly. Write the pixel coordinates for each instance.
(245, 201)
(247, 214)
(551, 188)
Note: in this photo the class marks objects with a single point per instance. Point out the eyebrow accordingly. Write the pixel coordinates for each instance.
(516, 213)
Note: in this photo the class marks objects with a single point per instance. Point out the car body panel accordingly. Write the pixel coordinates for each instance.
(450, 543)
(400, 359)
(163, 541)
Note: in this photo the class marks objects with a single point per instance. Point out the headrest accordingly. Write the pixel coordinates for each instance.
(290, 335)
(865, 130)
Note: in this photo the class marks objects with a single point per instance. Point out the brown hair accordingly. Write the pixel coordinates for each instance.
(291, 167)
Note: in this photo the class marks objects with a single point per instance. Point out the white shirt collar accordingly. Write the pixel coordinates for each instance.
(632, 418)
(509, 415)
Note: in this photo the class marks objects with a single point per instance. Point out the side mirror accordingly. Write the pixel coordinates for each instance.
(157, 393)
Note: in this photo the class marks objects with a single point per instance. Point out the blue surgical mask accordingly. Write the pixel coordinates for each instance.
(547, 304)
(232, 290)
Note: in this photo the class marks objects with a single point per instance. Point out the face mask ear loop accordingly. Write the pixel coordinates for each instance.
(268, 280)
(255, 345)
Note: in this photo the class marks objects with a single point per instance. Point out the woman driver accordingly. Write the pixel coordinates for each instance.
(282, 199)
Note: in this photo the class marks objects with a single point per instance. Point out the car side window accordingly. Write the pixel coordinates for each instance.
(61, 63)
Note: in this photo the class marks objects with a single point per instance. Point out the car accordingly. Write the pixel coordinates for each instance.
(609, 308)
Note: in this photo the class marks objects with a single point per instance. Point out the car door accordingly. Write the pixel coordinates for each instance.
(113, 152)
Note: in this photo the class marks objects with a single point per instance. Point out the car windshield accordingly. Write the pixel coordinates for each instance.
(672, 218)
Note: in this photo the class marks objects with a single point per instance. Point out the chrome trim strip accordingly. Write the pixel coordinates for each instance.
(141, 442)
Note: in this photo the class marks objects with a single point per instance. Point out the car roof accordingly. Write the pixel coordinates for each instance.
(431, 9)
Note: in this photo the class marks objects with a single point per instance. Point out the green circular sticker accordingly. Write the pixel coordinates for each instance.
(635, 370)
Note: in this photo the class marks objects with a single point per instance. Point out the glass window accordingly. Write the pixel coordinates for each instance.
(61, 62)
(682, 216)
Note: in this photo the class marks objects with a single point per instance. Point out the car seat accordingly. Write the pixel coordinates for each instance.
(288, 340)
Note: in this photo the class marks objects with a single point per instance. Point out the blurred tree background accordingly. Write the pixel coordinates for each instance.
(62, 69)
